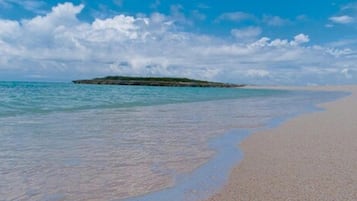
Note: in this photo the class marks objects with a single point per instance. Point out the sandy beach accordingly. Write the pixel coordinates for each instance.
(310, 157)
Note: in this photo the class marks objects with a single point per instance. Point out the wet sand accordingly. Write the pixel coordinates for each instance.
(311, 157)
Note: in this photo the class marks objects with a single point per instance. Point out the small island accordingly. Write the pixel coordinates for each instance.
(155, 81)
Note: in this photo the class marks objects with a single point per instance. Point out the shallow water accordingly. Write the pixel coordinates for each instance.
(83, 142)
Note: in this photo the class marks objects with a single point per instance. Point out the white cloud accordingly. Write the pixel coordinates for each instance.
(343, 43)
(61, 15)
(249, 32)
(267, 42)
(275, 20)
(178, 16)
(60, 46)
(343, 19)
(301, 38)
(31, 5)
(117, 29)
(8, 28)
(280, 43)
(350, 6)
(235, 17)
(266, 19)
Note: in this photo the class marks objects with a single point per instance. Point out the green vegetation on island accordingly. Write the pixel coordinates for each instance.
(155, 81)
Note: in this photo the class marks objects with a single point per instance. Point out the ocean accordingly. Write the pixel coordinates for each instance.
(65, 142)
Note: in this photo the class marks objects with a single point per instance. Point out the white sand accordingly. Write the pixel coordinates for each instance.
(311, 157)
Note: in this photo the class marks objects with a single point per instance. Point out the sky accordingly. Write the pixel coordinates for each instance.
(280, 42)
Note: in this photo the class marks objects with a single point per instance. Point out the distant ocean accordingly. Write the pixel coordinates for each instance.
(61, 141)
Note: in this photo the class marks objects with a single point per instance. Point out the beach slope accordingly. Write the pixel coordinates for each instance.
(311, 157)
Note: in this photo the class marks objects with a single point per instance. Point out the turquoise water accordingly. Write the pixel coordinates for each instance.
(60, 141)
(19, 98)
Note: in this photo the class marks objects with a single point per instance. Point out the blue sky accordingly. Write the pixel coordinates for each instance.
(243, 41)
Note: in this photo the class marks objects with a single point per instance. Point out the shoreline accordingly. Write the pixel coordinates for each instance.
(197, 185)
(232, 121)
(301, 159)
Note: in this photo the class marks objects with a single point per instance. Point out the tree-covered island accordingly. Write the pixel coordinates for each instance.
(155, 81)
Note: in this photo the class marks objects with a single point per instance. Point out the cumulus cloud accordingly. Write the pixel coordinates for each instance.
(301, 38)
(267, 42)
(343, 19)
(58, 45)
